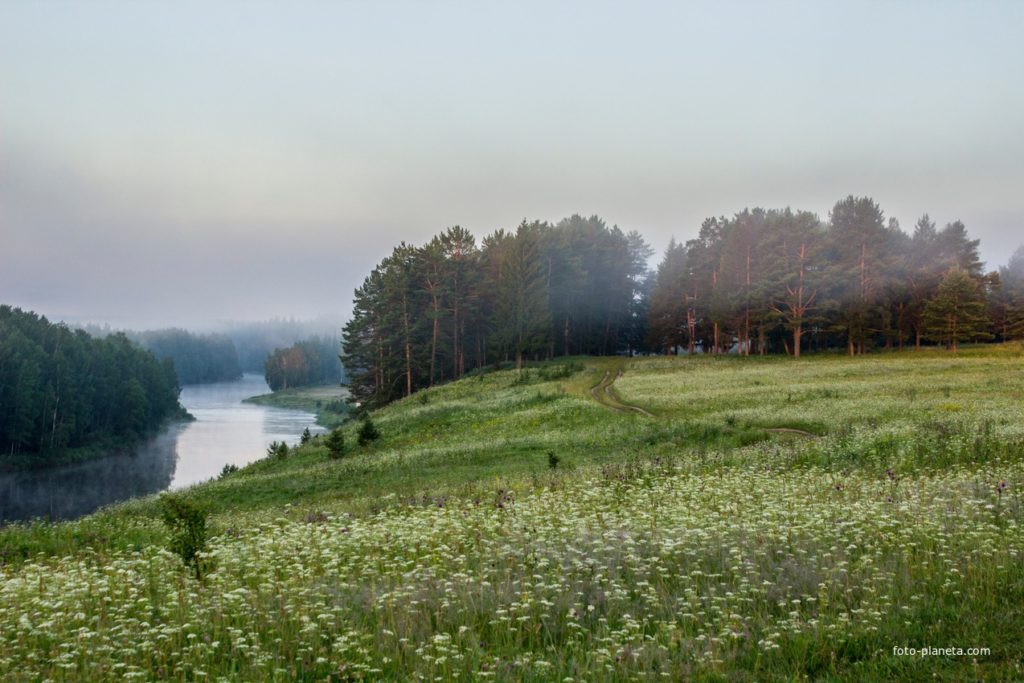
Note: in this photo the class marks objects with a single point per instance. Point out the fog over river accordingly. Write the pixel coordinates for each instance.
(226, 431)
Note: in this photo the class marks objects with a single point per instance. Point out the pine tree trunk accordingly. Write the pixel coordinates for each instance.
(455, 342)
(797, 333)
(433, 341)
(746, 334)
(408, 368)
(53, 428)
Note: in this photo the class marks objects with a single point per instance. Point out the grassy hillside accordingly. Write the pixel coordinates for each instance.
(766, 520)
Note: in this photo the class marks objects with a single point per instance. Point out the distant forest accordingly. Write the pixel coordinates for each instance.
(62, 389)
(763, 281)
(197, 358)
(241, 347)
(308, 362)
(255, 341)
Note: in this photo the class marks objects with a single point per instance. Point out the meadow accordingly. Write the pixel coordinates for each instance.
(768, 519)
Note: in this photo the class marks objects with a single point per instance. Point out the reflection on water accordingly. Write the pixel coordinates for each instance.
(226, 431)
(76, 490)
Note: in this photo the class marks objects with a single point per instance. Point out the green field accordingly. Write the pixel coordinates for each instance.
(762, 519)
(327, 402)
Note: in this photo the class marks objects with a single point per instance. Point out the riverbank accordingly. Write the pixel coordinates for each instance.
(101, 448)
(225, 432)
(327, 402)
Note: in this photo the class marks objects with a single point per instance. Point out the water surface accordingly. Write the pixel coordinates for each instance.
(226, 431)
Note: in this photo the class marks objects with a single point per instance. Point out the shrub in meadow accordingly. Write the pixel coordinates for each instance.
(186, 521)
(336, 444)
(306, 436)
(368, 432)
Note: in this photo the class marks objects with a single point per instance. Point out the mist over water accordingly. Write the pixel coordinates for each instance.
(226, 431)
(75, 490)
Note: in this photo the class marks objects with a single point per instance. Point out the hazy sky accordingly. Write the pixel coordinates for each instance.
(178, 163)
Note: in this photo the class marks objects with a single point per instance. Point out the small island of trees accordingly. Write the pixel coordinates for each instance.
(308, 362)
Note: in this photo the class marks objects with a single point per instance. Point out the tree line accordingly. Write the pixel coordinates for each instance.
(255, 340)
(278, 348)
(433, 313)
(197, 358)
(308, 362)
(62, 389)
(762, 281)
(784, 281)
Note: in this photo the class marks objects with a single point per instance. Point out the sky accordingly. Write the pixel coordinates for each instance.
(184, 163)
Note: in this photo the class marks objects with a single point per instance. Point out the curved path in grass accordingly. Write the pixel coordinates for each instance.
(603, 393)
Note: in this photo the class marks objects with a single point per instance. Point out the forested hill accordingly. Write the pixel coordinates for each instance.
(62, 390)
(763, 281)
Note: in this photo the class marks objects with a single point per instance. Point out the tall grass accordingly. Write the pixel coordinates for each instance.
(700, 544)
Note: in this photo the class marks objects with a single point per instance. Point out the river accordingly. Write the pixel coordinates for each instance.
(225, 431)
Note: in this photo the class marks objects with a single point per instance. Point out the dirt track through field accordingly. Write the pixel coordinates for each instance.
(603, 393)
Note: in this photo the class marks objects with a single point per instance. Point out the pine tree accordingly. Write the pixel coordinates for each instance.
(368, 432)
(1015, 318)
(957, 311)
(431, 274)
(363, 343)
(523, 318)
(1011, 280)
(923, 274)
(335, 444)
(665, 327)
(792, 277)
(860, 250)
(462, 274)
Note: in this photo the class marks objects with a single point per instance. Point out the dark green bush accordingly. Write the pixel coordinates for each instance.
(560, 370)
(335, 444)
(277, 450)
(186, 521)
(339, 407)
(368, 432)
